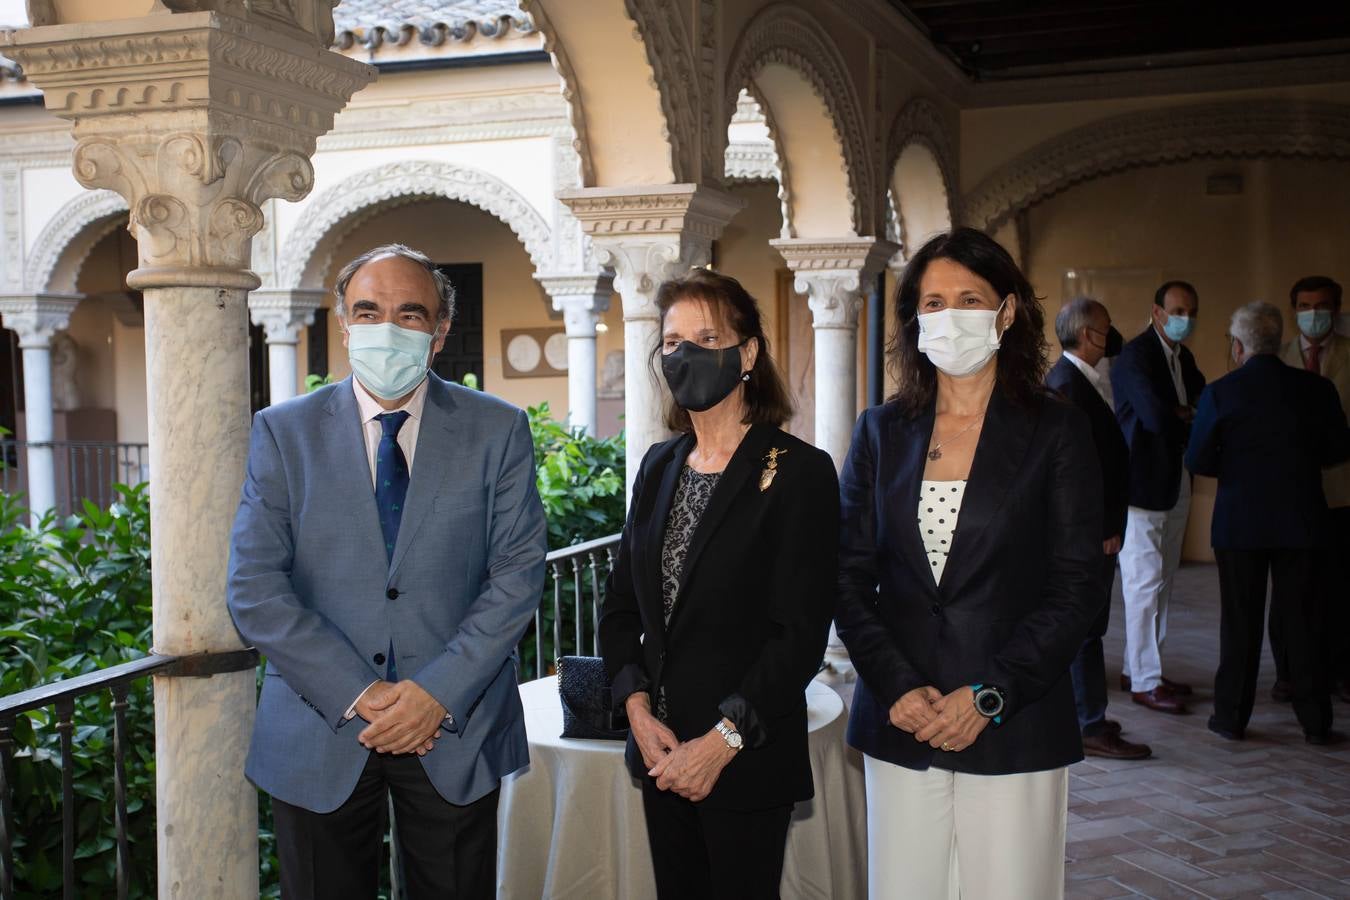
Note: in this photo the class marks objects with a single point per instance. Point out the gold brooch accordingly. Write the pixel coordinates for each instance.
(770, 470)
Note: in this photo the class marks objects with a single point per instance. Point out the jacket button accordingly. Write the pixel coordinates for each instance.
(392, 593)
(379, 659)
(935, 609)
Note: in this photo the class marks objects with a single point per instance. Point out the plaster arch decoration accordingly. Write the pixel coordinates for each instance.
(1242, 130)
(918, 145)
(562, 64)
(308, 250)
(789, 36)
(67, 239)
(661, 29)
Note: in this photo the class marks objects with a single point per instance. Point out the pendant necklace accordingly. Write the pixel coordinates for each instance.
(936, 453)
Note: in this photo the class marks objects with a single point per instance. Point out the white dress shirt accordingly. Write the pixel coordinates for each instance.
(1173, 355)
(1099, 384)
(372, 431)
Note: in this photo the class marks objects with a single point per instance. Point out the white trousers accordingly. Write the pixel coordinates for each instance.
(1148, 561)
(939, 835)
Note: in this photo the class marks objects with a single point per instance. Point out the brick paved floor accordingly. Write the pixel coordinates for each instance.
(1265, 817)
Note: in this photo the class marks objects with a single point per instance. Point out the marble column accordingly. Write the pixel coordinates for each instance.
(36, 318)
(196, 118)
(648, 234)
(282, 314)
(583, 300)
(835, 276)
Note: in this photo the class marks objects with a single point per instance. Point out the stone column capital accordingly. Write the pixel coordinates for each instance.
(582, 299)
(282, 313)
(650, 233)
(832, 273)
(37, 317)
(194, 118)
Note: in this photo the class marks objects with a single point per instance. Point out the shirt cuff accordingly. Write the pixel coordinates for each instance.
(742, 714)
(351, 710)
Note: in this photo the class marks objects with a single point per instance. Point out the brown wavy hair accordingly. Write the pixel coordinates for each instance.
(1023, 355)
(766, 396)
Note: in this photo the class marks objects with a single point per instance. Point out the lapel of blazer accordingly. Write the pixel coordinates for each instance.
(901, 476)
(347, 453)
(1003, 444)
(667, 480)
(441, 440)
(745, 461)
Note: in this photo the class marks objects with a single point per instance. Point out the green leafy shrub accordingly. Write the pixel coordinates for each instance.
(580, 480)
(74, 598)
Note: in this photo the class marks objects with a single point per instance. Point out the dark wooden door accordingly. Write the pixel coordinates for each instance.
(463, 351)
(259, 389)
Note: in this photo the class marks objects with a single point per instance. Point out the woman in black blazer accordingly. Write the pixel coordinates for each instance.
(718, 608)
(970, 547)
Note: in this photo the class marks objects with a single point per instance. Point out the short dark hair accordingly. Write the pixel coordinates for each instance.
(1160, 294)
(766, 396)
(1022, 356)
(1316, 283)
(444, 289)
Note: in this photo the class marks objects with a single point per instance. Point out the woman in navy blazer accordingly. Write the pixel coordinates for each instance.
(970, 546)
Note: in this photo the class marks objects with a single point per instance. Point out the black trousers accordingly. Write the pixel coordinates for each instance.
(702, 854)
(448, 851)
(1332, 566)
(1301, 613)
(1088, 668)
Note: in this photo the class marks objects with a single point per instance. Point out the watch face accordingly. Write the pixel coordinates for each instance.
(734, 740)
(989, 702)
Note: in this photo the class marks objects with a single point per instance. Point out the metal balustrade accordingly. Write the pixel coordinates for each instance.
(85, 470)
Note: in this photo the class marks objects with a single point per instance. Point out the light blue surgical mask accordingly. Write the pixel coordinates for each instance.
(388, 360)
(1178, 328)
(1314, 323)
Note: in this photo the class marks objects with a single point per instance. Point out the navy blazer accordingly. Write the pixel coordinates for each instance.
(1146, 405)
(752, 613)
(1019, 592)
(1265, 431)
(1112, 452)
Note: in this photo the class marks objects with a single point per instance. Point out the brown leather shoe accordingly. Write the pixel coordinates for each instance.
(1110, 726)
(1161, 700)
(1113, 746)
(1178, 688)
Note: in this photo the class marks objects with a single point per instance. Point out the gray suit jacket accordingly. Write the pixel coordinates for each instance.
(310, 587)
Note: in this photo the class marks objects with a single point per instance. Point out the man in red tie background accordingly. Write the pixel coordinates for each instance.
(1316, 347)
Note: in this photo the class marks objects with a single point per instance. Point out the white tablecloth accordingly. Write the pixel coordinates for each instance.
(570, 827)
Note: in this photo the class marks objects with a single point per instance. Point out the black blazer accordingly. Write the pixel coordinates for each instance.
(1146, 405)
(1019, 592)
(1265, 431)
(1112, 453)
(749, 628)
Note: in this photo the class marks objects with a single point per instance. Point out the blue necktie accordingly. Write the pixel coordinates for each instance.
(391, 488)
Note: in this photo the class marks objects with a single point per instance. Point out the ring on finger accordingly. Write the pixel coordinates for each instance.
(946, 746)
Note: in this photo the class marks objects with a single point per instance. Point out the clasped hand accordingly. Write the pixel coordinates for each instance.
(403, 718)
(689, 769)
(950, 722)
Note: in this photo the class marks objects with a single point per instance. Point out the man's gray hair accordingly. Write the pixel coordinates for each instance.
(1259, 325)
(1073, 317)
(444, 289)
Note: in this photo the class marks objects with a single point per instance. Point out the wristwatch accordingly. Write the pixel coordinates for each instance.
(989, 702)
(730, 735)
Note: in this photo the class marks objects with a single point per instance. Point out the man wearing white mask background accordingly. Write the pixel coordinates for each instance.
(1317, 347)
(386, 558)
(1156, 386)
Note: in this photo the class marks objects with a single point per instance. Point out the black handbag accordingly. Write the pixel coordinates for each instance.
(587, 705)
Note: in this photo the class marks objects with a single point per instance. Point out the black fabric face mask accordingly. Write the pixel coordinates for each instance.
(1114, 342)
(701, 377)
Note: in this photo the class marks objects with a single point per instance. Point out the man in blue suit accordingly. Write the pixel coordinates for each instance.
(1266, 431)
(1156, 385)
(1083, 327)
(386, 558)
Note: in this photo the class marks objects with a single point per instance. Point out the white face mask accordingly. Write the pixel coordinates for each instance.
(388, 360)
(959, 341)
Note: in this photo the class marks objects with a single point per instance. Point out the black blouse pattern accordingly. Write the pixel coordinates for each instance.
(691, 499)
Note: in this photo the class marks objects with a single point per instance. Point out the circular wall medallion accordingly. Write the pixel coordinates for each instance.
(524, 353)
(555, 351)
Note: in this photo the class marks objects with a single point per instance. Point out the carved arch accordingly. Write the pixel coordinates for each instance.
(67, 239)
(1269, 129)
(661, 29)
(791, 37)
(920, 122)
(331, 216)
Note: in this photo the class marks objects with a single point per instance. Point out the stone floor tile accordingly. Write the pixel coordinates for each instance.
(1257, 821)
(1174, 847)
(1096, 889)
(1244, 885)
(1234, 844)
(1104, 828)
(1329, 864)
(1167, 866)
(1155, 887)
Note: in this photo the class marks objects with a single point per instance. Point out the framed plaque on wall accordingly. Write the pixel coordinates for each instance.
(534, 352)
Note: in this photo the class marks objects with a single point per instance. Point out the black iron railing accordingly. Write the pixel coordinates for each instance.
(61, 695)
(570, 609)
(85, 470)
